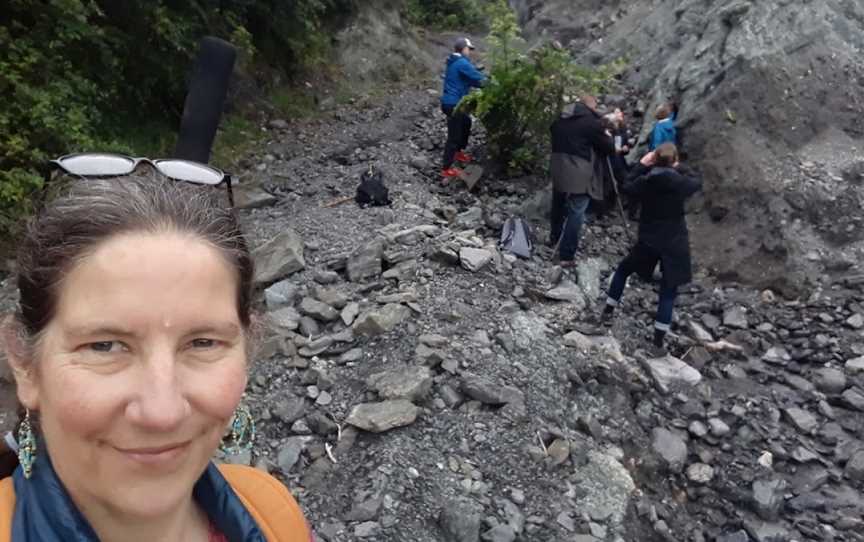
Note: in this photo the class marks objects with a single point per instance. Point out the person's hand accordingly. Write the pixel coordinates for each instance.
(649, 159)
(619, 116)
(625, 149)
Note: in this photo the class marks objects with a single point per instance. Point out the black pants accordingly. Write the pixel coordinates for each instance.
(458, 130)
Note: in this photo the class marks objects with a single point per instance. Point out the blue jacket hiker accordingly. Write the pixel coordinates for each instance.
(460, 77)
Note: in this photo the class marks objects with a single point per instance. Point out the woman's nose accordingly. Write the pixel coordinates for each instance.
(160, 404)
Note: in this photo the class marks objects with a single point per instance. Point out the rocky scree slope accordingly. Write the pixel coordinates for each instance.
(772, 96)
(417, 384)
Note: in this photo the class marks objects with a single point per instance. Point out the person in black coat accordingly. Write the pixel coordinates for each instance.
(661, 185)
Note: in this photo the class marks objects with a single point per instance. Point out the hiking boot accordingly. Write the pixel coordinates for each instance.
(464, 158)
(655, 351)
(451, 173)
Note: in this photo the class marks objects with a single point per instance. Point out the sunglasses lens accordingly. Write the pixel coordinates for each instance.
(192, 172)
(97, 164)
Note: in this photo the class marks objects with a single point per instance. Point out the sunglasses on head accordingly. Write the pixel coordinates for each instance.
(98, 164)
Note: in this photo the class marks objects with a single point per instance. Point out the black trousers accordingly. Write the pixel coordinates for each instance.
(458, 131)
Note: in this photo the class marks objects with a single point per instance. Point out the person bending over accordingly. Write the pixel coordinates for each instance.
(661, 185)
(580, 145)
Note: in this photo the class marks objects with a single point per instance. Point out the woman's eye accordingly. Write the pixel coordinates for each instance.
(203, 343)
(106, 347)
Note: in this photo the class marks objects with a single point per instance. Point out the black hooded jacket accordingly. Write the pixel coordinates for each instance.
(579, 142)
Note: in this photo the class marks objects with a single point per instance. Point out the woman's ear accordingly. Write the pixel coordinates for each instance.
(18, 358)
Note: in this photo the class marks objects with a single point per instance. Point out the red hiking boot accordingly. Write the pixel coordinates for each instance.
(464, 158)
(451, 172)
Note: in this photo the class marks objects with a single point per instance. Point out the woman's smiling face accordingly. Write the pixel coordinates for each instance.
(139, 372)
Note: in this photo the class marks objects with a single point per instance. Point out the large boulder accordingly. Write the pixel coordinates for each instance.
(279, 257)
(746, 75)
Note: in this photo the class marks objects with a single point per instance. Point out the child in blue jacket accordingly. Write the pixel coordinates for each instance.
(664, 130)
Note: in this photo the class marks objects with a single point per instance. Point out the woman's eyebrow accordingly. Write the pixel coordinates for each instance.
(98, 329)
(219, 328)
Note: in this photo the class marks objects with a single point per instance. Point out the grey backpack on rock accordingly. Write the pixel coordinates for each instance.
(516, 238)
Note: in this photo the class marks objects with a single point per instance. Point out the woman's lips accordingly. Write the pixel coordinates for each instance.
(155, 456)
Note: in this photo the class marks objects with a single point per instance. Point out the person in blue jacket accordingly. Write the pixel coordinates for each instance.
(664, 130)
(460, 77)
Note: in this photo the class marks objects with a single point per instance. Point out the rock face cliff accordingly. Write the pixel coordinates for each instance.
(772, 96)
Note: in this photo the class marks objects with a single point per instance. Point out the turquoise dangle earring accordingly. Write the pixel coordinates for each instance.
(242, 432)
(26, 446)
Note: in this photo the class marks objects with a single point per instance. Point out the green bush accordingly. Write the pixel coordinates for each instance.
(79, 75)
(525, 93)
(447, 14)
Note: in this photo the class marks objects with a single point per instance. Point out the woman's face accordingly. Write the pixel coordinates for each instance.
(139, 372)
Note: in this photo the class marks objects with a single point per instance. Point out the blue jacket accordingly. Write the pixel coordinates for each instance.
(44, 512)
(460, 77)
(664, 132)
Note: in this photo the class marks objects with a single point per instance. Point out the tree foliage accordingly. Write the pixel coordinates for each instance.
(87, 74)
(447, 14)
(526, 92)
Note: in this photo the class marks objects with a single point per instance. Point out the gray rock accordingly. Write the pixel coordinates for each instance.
(281, 294)
(331, 296)
(289, 453)
(500, 533)
(671, 448)
(699, 333)
(489, 392)
(566, 291)
(318, 310)
(854, 398)
(289, 409)
(801, 419)
(768, 497)
(670, 372)
(365, 511)
(380, 321)
(253, 198)
(855, 467)
(777, 355)
(431, 357)
(831, 381)
(470, 219)
(284, 320)
(316, 347)
(349, 313)
(474, 259)
(355, 354)
(856, 321)
(698, 429)
(700, 473)
(855, 366)
(737, 536)
(735, 317)
(367, 529)
(279, 257)
(326, 277)
(589, 271)
(460, 521)
(365, 262)
(606, 488)
(767, 532)
(309, 327)
(412, 383)
(718, 427)
(384, 416)
(433, 341)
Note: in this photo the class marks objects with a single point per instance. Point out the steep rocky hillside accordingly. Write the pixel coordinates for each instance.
(772, 97)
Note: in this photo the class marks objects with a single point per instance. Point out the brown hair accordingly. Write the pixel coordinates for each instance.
(666, 155)
(663, 111)
(88, 212)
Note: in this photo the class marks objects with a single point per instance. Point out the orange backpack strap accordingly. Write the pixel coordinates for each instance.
(268, 501)
(7, 508)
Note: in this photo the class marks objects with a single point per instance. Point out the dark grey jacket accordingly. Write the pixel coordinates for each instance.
(579, 150)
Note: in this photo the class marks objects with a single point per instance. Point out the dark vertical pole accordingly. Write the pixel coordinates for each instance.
(207, 91)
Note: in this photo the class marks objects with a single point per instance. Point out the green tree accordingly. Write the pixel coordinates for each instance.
(526, 92)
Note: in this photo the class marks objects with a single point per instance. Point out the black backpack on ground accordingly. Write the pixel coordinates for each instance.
(372, 190)
(516, 237)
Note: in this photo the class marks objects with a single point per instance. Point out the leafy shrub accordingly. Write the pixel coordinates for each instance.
(525, 93)
(447, 14)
